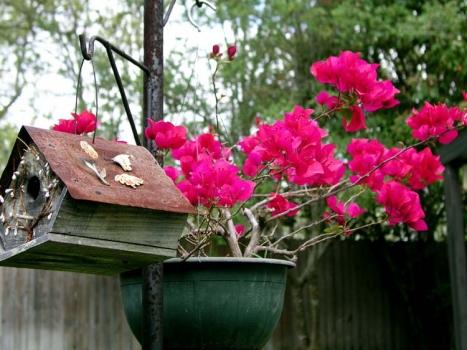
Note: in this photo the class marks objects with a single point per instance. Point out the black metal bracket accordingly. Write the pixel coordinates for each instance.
(87, 50)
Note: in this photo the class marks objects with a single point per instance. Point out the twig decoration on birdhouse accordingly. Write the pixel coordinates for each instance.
(28, 200)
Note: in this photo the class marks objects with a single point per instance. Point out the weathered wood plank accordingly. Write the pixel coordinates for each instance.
(456, 253)
(44, 314)
(79, 254)
(8, 311)
(118, 223)
(44, 310)
(356, 309)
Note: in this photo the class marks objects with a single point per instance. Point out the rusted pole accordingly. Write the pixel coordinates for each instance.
(154, 60)
(153, 108)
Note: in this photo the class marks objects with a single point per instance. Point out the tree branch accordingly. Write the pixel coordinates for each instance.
(255, 233)
(231, 235)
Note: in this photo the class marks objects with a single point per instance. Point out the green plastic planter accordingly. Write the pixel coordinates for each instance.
(214, 303)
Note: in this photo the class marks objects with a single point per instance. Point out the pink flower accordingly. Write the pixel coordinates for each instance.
(434, 120)
(236, 191)
(172, 172)
(400, 167)
(425, 168)
(352, 210)
(209, 144)
(380, 95)
(230, 189)
(65, 125)
(205, 146)
(293, 147)
(240, 230)
(189, 191)
(85, 122)
(298, 114)
(357, 80)
(315, 166)
(231, 51)
(82, 123)
(252, 164)
(357, 122)
(323, 98)
(279, 204)
(402, 205)
(347, 72)
(366, 154)
(464, 95)
(248, 144)
(416, 169)
(165, 134)
(215, 182)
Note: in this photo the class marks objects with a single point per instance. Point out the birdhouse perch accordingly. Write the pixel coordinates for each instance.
(68, 205)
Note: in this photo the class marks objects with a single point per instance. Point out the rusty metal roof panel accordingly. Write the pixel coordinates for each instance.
(66, 159)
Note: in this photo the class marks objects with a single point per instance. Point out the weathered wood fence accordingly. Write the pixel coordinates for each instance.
(370, 296)
(42, 310)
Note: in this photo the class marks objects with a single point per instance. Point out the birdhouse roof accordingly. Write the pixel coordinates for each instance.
(66, 159)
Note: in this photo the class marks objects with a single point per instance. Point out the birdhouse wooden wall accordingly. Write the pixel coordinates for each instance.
(56, 214)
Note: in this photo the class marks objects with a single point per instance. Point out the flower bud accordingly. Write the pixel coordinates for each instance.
(231, 51)
(215, 52)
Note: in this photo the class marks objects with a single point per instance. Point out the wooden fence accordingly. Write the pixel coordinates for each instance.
(370, 296)
(42, 310)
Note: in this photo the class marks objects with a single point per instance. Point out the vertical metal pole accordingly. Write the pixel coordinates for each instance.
(153, 108)
(154, 60)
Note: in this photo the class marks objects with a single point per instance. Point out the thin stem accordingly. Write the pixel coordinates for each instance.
(315, 223)
(214, 87)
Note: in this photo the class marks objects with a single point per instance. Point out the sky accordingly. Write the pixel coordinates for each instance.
(54, 95)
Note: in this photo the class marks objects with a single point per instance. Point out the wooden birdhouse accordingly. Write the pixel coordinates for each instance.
(73, 205)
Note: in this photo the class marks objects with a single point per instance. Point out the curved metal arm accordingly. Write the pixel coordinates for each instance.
(87, 50)
(199, 3)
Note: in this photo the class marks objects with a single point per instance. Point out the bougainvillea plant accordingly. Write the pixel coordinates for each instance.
(248, 192)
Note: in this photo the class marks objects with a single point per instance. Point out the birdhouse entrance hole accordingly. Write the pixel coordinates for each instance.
(34, 187)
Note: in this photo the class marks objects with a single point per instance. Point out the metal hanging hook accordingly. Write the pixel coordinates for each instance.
(87, 47)
(96, 91)
(199, 4)
(87, 50)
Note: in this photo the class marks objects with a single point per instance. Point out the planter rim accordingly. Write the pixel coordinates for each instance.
(195, 260)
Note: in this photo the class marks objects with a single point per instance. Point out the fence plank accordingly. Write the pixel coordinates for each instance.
(45, 310)
(362, 305)
(456, 252)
